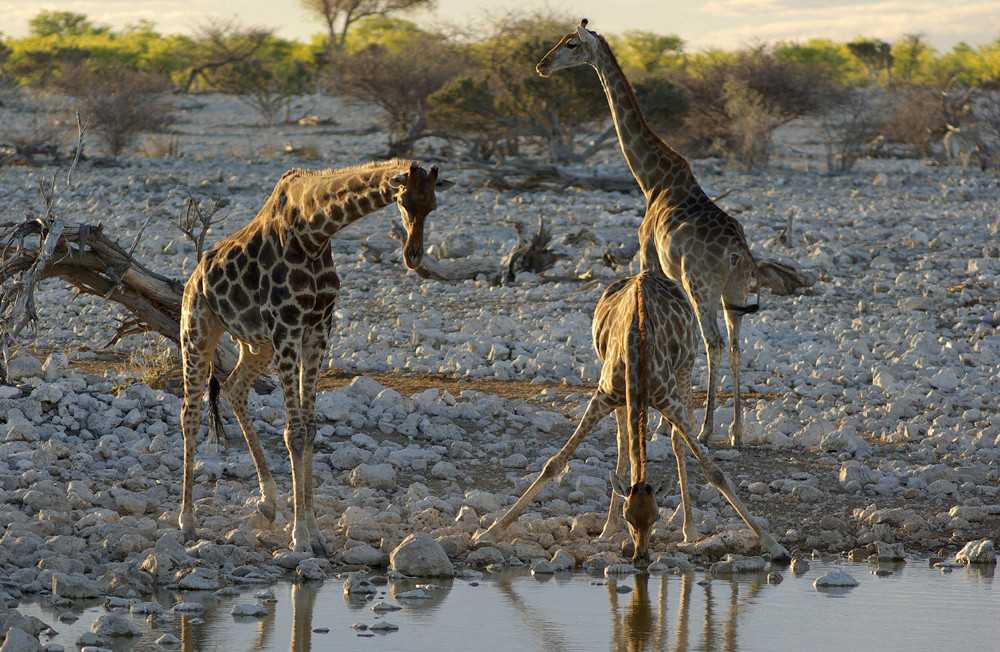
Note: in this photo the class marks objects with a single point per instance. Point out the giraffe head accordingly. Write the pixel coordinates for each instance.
(415, 198)
(640, 513)
(575, 49)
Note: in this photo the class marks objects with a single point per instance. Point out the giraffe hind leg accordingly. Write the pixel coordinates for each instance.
(198, 340)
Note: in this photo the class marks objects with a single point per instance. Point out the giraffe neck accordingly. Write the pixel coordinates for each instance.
(315, 205)
(655, 165)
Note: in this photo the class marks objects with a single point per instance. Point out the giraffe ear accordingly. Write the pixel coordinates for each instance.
(443, 183)
(616, 485)
(586, 36)
(399, 180)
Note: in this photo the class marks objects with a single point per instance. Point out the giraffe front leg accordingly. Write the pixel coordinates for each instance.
(599, 407)
(297, 440)
(197, 345)
(314, 346)
(689, 528)
(614, 522)
(718, 479)
(190, 423)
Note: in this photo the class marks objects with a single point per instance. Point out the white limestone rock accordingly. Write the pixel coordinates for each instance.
(364, 555)
(835, 579)
(114, 625)
(420, 556)
(737, 564)
(246, 610)
(18, 640)
(376, 476)
(74, 586)
(977, 552)
(309, 570)
(24, 366)
(199, 579)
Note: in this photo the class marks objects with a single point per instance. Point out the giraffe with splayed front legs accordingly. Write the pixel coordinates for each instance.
(684, 232)
(646, 336)
(272, 286)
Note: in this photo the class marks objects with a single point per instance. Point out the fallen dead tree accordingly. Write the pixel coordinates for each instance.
(513, 174)
(531, 253)
(86, 258)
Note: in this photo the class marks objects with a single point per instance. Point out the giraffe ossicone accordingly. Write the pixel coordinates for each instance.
(684, 233)
(272, 286)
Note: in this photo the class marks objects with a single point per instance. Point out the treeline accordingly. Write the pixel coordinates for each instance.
(481, 93)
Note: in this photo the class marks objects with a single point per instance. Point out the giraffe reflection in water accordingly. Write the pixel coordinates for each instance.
(641, 627)
(642, 624)
(195, 637)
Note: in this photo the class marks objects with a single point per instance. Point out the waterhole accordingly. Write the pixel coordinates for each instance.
(906, 606)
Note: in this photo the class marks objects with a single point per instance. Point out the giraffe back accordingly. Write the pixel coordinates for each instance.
(671, 334)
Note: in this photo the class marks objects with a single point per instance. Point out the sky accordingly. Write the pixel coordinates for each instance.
(725, 24)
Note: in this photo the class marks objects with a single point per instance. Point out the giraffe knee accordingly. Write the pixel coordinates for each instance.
(553, 468)
(296, 443)
(715, 476)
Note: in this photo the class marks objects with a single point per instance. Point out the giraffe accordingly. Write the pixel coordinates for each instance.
(272, 286)
(646, 336)
(684, 232)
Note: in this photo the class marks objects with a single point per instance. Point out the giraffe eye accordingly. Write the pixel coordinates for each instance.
(572, 45)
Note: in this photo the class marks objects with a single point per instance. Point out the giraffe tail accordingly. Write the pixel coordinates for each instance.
(216, 430)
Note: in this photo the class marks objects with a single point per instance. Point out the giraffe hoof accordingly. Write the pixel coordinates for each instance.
(267, 511)
(319, 549)
(481, 540)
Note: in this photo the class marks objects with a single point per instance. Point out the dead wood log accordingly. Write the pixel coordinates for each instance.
(530, 175)
(783, 278)
(85, 257)
(529, 253)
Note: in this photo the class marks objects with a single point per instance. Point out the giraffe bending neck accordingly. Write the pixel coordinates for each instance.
(315, 205)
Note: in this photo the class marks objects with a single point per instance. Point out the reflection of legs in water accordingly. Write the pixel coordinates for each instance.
(303, 602)
(549, 634)
(683, 611)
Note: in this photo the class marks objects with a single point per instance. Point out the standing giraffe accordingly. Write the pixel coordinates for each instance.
(272, 286)
(645, 333)
(694, 241)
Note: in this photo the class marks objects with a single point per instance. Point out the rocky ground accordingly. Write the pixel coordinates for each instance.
(871, 419)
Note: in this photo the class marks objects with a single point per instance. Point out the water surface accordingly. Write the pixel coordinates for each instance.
(916, 607)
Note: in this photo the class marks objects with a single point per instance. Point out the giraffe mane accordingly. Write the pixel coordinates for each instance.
(393, 163)
(274, 206)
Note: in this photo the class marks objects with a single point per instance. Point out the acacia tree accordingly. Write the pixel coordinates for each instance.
(339, 15)
(876, 57)
(221, 44)
(386, 73)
